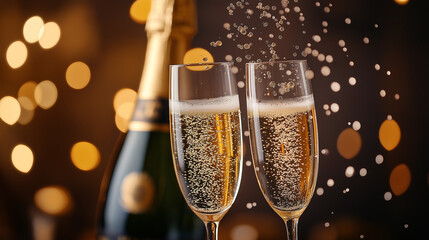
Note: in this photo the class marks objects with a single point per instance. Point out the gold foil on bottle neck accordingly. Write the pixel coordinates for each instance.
(170, 27)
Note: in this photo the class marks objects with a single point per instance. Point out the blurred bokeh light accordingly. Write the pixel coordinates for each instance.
(32, 29)
(53, 200)
(389, 134)
(349, 143)
(78, 75)
(85, 156)
(49, 35)
(400, 179)
(16, 54)
(22, 158)
(139, 10)
(10, 110)
(45, 94)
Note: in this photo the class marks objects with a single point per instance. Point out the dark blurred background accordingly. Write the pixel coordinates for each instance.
(66, 95)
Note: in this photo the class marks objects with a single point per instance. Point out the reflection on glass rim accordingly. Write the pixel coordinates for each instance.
(277, 62)
(201, 64)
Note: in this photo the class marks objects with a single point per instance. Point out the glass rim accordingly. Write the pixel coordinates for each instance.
(201, 64)
(277, 62)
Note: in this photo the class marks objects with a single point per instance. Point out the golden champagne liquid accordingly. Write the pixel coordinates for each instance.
(284, 148)
(207, 151)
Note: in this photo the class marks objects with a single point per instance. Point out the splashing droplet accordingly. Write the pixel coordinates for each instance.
(325, 70)
(379, 159)
(352, 81)
(377, 67)
(317, 38)
(348, 21)
(330, 182)
(388, 196)
(363, 172)
(350, 171)
(335, 86)
(366, 40)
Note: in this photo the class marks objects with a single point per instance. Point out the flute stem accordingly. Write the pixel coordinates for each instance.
(291, 228)
(211, 230)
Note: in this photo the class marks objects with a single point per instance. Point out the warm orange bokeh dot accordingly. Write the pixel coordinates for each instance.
(32, 28)
(53, 200)
(198, 55)
(85, 156)
(26, 91)
(46, 94)
(78, 75)
(16, 54)
(22, 158)
(402, 2)
(389, 134)
(50, 34)
(10, 110)
(400, 179)
(139, 10)
(349, 143)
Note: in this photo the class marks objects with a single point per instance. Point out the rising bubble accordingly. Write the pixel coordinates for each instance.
(330, 182)
(377, 67)
(325, 70)
(366, 40)
(363, 172)
(388, 196)
(320, 191)
(379, 159)
(350, 171)
(335, 86)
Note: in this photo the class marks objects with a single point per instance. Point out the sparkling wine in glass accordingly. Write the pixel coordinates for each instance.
(283, 136)
(206, 138)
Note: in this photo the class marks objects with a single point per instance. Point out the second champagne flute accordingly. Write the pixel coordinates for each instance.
(283, 136)
(206, 138)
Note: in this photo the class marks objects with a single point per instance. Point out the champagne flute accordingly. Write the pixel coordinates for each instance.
(206, 138)
(283, 136)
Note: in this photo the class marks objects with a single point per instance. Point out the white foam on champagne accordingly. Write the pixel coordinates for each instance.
(287, 106)
(213, 105)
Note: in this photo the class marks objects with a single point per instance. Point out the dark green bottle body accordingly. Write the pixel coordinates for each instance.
(143, 200)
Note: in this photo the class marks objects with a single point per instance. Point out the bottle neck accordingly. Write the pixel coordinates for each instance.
(170, 28)
(169, 36)
(154, 82)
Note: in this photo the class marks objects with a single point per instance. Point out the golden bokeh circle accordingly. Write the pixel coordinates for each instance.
(45, 94)
(123, 96)
(400, 179)
(53, 200)
(198, 55)
(32, 28)
(349, 143)
(139, 11)
(16, 54)
(85, 156)
(49, 35)
(10, 110)
(78, 75)
(389, 134)
(27, 91)
(401, 2)
(22, 158)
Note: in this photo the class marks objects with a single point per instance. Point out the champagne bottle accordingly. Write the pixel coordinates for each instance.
(143, 200)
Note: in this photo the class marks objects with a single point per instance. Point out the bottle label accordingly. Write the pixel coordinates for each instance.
(150, 115)
(137, 192)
